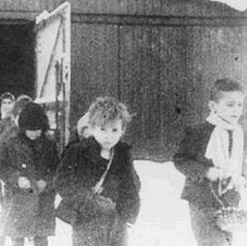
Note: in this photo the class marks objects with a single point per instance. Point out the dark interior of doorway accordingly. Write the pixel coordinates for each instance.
(17, 58)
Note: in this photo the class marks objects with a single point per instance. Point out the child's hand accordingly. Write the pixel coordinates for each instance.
(97, 189)
(24, 183)
(215, 173)
(41, 185)
(105, 203)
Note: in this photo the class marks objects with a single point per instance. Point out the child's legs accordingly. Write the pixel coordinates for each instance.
(101, 231)
(93, 233)
(17, 241)
(40, 241)
(82, 236)
(118, 233)
(205, 229)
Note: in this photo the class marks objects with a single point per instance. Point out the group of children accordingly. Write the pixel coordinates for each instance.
(95, 176)
(96, 179)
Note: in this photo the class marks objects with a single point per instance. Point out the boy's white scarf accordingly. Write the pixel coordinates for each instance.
(218, 146)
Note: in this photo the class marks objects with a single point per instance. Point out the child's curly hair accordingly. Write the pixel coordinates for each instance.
(107, 110)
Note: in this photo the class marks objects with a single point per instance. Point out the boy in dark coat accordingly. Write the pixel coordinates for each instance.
(211, 156)
(7, 127)
(28, 160)
(98, 208)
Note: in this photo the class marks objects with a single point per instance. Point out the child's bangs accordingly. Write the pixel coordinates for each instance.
(104, 120)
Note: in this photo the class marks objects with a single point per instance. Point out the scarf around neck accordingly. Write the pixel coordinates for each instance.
(218, 146)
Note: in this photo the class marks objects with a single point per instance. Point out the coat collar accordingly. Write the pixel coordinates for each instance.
(92, 149)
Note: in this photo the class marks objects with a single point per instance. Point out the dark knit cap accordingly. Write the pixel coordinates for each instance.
(33, 117)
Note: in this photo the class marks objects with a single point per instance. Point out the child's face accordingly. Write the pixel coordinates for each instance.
(33, 135)
(7, 106)
(229, 106)
(108, 136)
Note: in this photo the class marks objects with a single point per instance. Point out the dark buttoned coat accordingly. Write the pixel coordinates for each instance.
(28, 212)
(81, 167)
(190, 160)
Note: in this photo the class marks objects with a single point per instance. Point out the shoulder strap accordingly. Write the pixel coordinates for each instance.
(99, 184)
(216, 194)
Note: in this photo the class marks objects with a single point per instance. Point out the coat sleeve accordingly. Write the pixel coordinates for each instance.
(128, 203)
(66, 180)
(53, 161)
(70, 186)
(9, 173)
(188, 160)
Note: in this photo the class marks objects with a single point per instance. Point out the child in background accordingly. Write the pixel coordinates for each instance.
(20, 103)
(81, 131)
(7, 106)
(97, 181)
(211, 153)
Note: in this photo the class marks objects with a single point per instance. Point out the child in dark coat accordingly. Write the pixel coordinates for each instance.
(28, 160)
(7, 127)
(211, 156)
(97, 181)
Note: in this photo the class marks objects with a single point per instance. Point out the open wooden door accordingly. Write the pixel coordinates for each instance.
(53, 69)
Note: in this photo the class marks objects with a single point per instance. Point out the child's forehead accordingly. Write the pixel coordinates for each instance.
(7, 100)
(231, 95)
(110, 123)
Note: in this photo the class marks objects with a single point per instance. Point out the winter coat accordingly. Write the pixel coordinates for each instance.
(28, 212)
(80, 169)
(5, 126)
(190, 160)
(6, 123)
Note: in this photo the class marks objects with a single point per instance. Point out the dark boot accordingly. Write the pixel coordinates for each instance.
(40, 241)
(17, 241)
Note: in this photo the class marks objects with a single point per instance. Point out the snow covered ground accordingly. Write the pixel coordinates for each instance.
(164, 217)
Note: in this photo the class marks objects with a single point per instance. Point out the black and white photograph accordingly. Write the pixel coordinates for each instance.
(123, 122)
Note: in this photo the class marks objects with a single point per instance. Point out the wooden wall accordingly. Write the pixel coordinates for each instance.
(163, 73)
(158, 57)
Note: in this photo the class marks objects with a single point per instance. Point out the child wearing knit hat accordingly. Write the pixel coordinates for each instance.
(7, 127)
(28, 160)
